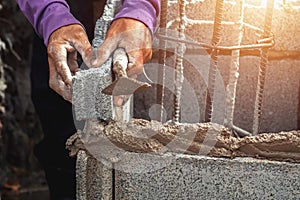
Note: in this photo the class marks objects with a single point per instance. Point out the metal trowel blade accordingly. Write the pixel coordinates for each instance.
(125, 86)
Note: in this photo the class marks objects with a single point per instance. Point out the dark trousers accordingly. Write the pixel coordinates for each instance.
(56, 114)
(57, 122)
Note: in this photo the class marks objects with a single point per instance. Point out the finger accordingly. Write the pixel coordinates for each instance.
(118, 100)
(81, 43)
(72, 62)
(104, 51)
(134, 71)
(135, 63)
(134, 76)
(58, 61)
(58, 85)
(64, 72)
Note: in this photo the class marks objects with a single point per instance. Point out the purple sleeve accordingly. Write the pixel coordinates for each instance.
(145, 11)
(47, 15)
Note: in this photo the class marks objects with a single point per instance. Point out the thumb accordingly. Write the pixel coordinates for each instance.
(104, 52)
(84, 48)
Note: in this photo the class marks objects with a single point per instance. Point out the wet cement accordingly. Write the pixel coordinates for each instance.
(210, 139)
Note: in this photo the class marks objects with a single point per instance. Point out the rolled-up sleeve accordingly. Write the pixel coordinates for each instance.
(145, 11)
(47, 15)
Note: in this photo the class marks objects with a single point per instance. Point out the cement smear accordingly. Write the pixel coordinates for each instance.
(210, 139)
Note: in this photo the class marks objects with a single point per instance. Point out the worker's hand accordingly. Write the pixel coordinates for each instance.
(63, 45)
(132, 35)
(135, 37)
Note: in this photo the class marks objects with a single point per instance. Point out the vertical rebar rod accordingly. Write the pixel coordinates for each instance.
(234, 70)
(262, 68)
(299, 106)
(180, 49)
(162, 54)
(214, 60)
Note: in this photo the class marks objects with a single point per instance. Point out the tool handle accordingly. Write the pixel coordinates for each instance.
(120, 61)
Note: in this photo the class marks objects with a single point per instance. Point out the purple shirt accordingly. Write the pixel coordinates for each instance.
(48, 15)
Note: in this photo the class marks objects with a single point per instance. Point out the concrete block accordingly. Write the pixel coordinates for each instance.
(178, 176)
(93, 179)
(284, 26)
(88, 100)
(280, 97)
(200, 16)
(199, 177)
(120, 160)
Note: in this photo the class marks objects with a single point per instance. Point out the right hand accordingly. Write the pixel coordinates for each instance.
(133, 36)
(63, 45)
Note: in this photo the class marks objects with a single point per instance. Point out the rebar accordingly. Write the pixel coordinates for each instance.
(214, 60)
(160, 89)
(234, 71)
(208, 46)
(180, 49)
(299, 107)
(262, 68)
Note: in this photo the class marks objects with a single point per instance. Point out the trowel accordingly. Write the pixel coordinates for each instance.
(123, 85)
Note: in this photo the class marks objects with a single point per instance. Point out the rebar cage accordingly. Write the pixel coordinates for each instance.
(226, 31)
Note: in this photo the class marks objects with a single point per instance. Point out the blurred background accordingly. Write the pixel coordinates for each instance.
(19, 126)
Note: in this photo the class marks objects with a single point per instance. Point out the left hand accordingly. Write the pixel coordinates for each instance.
(63, 46)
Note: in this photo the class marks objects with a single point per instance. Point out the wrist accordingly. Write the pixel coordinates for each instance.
(55, 16)
(142, 10)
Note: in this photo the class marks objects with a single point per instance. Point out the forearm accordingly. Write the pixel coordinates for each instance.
(47, 16)
(145, 11)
